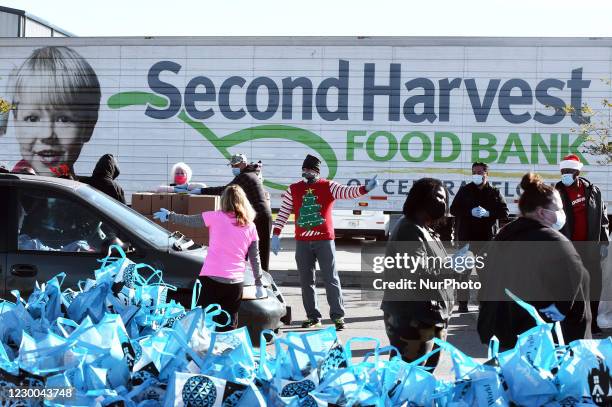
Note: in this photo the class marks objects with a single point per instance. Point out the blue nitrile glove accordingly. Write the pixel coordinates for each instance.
(275, 244)
(181, 188)
(484, 213)
(162, 215)
(476, 212)
(373, 183)
(195, 191)
(603, 251)
(260, 291)
(552, 312)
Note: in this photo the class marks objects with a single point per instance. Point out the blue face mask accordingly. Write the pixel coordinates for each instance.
(236, 171)
(567, 179)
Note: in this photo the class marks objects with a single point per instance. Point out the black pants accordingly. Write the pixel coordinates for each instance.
(228, 296)
(263, 224)
(413, 338)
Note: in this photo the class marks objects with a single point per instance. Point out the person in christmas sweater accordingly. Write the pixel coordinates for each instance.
(586, 225)
(311, 201)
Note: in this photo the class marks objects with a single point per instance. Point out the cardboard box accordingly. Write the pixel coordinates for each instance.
(196, 204)
(141, 202)
(179, 203)
(159, 201)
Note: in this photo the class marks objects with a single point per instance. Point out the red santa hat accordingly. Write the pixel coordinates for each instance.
(571, 161)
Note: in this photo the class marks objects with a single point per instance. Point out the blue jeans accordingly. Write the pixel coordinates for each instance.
(307, 253)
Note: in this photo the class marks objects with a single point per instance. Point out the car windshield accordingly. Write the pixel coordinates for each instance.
(138, 224)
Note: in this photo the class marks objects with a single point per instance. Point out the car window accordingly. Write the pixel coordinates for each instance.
(52, 222)
(139, 225)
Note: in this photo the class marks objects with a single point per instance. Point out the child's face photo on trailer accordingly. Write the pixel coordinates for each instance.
(56, 99)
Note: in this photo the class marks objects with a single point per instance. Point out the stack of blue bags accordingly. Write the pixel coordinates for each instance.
(117, 341)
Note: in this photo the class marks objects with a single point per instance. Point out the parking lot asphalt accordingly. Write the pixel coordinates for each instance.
(364, 319)
(363, 316)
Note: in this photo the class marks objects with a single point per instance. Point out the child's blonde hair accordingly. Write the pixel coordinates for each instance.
(63, 78)
(234, 200)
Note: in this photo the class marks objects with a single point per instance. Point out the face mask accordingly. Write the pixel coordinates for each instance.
(236, 171)
(477, 179)
(180, 179)
(567, 179)
(436, 210)
(309, 177)
(560, 219)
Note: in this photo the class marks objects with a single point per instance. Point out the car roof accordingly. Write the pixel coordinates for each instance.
(40, 180)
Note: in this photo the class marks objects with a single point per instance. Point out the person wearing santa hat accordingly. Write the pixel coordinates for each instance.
(586, 224)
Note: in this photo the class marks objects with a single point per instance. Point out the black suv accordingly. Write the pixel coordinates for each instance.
(51, 225)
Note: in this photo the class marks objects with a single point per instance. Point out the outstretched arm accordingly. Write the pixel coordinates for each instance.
(345, 191)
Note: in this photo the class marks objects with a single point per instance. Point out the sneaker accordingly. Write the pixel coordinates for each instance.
(339, 324)
(311, 323)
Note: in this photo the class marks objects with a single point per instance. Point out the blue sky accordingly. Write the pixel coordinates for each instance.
(544, 18)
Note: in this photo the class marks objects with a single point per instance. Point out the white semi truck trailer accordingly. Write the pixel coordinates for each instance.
(400, 108)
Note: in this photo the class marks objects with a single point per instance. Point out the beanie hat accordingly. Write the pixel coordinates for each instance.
(312, 163)
(571, 162)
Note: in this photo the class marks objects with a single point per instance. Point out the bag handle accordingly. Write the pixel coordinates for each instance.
(348, 353)
(197, 288)
(212, 310)
(61, 321)
(493, 347)
(108, 257)
(383, 350)
(263, 354)
(527, 307)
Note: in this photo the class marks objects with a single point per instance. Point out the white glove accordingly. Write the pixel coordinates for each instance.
(552, 312)
(195, 191)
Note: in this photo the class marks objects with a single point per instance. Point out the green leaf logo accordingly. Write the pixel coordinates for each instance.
(222, 144)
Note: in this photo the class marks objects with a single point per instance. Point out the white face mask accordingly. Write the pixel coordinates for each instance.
(477, 179)
(567, 179)
(560, 219)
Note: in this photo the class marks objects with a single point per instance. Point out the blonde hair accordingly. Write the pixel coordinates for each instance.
(63, 78)
(234, 200)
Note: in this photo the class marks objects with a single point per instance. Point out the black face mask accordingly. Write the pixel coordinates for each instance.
(309, 177)
(436, 210)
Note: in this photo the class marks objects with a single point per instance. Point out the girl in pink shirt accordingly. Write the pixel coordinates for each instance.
(233, 239)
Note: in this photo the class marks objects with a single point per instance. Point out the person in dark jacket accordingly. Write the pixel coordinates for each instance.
(477, 208)
(531, 259)
(587, 224)
(248, 177)
(103, 178)
(414, 317)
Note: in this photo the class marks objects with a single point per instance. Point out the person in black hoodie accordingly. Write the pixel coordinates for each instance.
(103, 178)
(413, 318)
(248, 177)
(533, 260)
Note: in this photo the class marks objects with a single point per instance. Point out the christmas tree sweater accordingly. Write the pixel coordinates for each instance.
(312, 206)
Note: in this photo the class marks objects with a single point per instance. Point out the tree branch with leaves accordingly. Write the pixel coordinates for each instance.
(595, 128)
